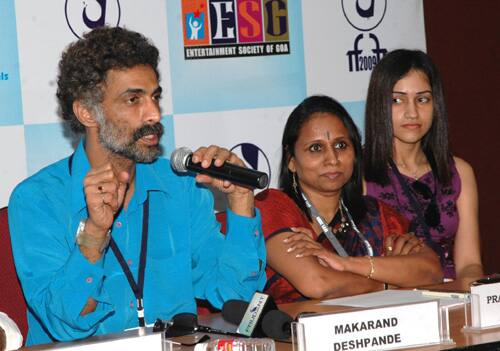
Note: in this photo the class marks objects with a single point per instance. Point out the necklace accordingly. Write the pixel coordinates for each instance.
(344, 224)
(415, 174)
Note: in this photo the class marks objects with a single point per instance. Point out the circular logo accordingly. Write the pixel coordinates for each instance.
(85, 15)
(254, 157)
(364, 15)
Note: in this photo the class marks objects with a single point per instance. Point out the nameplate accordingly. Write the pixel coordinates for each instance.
(371, 329)
(486, 306)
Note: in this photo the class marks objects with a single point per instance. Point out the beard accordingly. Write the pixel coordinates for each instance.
(118, 139)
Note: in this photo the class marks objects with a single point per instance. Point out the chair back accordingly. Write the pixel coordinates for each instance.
(12, 299)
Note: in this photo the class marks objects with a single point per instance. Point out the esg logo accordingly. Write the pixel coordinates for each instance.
(208, 22)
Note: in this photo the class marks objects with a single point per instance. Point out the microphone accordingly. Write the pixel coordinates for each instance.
(249, 316)
(234, 310)
(271, 322)
(277, 324)
(181, 162)
(258, 318)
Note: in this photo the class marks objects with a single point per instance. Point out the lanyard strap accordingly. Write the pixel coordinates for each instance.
(362, 237)
(325, 228)
(137, 288)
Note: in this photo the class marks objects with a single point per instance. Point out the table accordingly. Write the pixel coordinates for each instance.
(485, 340)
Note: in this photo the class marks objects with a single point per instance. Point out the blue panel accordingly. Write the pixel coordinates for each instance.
(218, 84)
(10, 89)
(47, 143)
(168, 139)
(357, 111)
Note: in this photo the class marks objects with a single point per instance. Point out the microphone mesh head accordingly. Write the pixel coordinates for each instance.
(178, 159)
(276, 324)
(234, 310)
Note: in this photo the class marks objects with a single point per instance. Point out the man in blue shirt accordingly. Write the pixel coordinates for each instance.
(111, 236)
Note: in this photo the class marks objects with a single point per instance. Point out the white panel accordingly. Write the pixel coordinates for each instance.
(329, 36)
(151, 20)
(42, 33)
(13, 165)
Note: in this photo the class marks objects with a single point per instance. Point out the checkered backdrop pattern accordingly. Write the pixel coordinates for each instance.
(236, 102)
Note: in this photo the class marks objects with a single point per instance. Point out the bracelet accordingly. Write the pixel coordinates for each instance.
(89, 241)
(372, 268)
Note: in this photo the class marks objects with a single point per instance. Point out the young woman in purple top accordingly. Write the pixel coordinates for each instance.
(408, 163)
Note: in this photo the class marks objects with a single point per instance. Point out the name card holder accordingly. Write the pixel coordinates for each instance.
(135, 339)
(483, 311)
(380, 328)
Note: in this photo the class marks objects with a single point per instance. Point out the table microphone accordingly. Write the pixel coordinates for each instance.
(181, 162)
(250, 318)
(277, 324)
(273, 323)
(258, 318)
(234, 310)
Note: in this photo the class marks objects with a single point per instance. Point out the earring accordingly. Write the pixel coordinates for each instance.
(294, 184)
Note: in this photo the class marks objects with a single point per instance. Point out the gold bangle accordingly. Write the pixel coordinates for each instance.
(372, 268)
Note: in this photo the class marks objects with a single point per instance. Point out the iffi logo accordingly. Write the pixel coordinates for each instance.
(85, 15)
(364, 15)
(232, 28)
(253, 156)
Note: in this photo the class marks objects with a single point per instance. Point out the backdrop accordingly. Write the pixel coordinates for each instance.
(231, 70)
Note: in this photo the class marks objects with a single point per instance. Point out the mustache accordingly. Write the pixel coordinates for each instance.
(148, 129)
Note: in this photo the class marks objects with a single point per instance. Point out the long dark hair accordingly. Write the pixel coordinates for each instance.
(378, 148)
(352, 191)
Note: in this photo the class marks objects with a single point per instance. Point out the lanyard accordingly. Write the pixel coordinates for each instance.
(368, 246)
(137, 288)
(326, 229)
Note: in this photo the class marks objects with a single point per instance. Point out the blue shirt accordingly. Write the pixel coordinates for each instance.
(187, 255)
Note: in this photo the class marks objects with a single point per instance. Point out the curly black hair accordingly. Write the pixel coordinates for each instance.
(85, 63)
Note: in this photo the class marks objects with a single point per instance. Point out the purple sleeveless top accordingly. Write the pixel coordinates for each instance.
(444, 233)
